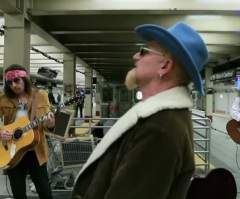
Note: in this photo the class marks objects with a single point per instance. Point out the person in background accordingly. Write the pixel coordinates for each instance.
(51, 96)
(58, 98)
(235, 110)
(148, 153)
(80, 105)
(16, 102)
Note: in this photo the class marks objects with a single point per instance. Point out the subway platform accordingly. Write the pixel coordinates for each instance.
(224, 153)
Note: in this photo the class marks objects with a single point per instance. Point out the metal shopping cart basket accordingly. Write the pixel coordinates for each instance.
(67, 157)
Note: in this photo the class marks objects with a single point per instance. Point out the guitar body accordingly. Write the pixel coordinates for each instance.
(19, 144)
(219, 184)
(233, 129)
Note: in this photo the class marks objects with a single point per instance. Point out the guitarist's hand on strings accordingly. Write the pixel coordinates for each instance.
(5, 135)
(49, 120)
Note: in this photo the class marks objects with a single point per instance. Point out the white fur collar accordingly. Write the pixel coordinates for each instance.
(175, 98)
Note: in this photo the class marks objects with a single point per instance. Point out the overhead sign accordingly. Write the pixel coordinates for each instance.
(228, 74)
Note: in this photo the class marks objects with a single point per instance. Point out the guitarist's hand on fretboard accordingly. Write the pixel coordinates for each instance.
(49, 120)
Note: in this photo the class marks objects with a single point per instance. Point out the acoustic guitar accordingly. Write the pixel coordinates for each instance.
(24, 137)
(233, 129)
(218, 184)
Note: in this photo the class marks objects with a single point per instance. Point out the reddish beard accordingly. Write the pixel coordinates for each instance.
(131, 80)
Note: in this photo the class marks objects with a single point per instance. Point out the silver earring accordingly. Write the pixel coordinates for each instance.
(160, 76)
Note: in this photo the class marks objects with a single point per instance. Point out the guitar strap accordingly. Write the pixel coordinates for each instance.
(34, 105)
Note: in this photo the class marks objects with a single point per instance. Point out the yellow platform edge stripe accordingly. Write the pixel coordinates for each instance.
(199, 160)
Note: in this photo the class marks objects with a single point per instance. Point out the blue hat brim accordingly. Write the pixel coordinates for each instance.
(151, 32)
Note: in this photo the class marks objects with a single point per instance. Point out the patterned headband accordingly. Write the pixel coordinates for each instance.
(15, 73)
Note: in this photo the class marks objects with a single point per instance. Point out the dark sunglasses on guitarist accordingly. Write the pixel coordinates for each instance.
(15, 80)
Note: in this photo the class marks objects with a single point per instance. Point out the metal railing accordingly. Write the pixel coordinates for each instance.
(201, 128)
(202, 138)
(94, 123)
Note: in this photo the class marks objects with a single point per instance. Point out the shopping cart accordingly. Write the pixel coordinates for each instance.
(66, 158)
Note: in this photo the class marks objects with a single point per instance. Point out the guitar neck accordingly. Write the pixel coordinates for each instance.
(37, 121)
(34, 123)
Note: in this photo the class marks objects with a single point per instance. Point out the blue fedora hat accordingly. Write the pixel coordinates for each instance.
(184, 43)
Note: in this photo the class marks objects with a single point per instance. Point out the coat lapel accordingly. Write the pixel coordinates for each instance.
(174, 98)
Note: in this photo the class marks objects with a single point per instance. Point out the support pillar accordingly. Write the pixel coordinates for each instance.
(69, 77)
(88, 96)
(98, 96)
(17, 37)
(208, 93)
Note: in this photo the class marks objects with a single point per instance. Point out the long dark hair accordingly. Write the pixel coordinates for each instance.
(27, 84)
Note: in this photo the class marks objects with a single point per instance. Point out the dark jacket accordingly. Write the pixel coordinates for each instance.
(147, 154)
(51, 98)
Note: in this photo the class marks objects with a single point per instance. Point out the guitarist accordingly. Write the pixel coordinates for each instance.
(17, 101)
(235, 111)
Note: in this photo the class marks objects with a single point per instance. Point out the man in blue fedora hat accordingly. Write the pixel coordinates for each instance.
(148, 153)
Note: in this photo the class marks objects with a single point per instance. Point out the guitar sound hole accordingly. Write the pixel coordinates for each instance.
(18, 134)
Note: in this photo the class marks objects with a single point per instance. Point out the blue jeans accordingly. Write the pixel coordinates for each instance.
(39, 176)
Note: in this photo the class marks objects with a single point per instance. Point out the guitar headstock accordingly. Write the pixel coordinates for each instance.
(68, 102)
(71, 101)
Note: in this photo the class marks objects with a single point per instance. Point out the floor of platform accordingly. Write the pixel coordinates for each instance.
(224, 154)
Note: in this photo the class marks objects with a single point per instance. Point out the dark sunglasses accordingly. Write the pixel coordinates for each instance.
(143, 51)
(15, 80)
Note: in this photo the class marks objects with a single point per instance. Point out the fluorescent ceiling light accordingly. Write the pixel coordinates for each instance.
(204, 16)
(218, 1)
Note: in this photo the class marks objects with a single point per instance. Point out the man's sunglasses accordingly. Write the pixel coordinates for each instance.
(15, 80)
(143, 51)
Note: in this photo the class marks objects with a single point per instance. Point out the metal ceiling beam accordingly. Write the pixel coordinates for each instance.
(103, 53)
(47, 49)
(94, 32)
(38, 41)
(201, 23)
(11, 6)
(209, 38)
(221, 48)
(102, 44)
(165, 5)
(226, 61)
(116, 60)
(42, 33)
(108, 63)
(79, 32)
